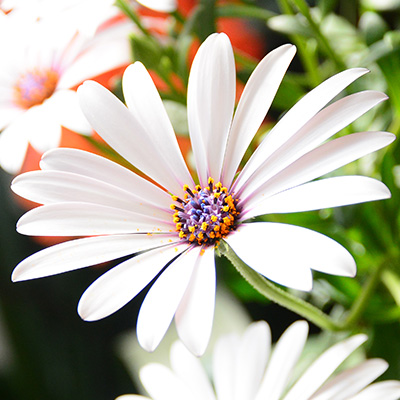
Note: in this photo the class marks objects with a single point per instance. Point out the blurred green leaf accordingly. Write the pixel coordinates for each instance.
(373, 26)
(290, 25)
(146, 50)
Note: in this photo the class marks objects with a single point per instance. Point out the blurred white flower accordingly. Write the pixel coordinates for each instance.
(87, 195)
(42, 61)
(246, 368)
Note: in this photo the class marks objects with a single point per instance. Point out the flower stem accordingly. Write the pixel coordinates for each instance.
(303, 8)
(277, 295)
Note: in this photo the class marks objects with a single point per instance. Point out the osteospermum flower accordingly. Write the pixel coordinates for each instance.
(173, 227)
(42, 61)
(246, 368)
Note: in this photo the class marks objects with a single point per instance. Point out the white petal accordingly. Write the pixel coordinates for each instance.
(48, 187)
(194, 316)
(321, 127)
(84, 219)
(284, 358)
(252, 357)
(224, 366)
(159, 5)
(119, 128)
(44, 131)
(190, 370)
(211, 99)
(162, 384)
(100, 168)
(298, 116)
(144, 102)
(286, 253)
(122, 283)
(13, 147)
(8, 114)
(162, 300)
(254, 104)
(81, 253)
(323, 367)
(322, 160)
(351, 381)
(324, 193)
(109, 49)
(65, 105)
(388, 390)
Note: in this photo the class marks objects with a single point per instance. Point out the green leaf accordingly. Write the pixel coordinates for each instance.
(290, 25)
(146, 50)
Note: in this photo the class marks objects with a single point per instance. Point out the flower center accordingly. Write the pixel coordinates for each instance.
(205, 215)
(34, 87)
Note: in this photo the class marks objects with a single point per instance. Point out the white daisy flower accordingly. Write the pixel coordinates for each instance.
(89, 8)
(87, 195)
(42, 62)
(246, 368)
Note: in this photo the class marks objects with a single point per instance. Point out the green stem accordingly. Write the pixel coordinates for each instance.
(127, 10)
(243, 11)
(308, 59)
(362, 300)
(304, 9)
(276, 294)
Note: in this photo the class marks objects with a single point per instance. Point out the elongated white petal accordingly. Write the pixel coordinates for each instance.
(194, 316)
(253, 106)
(13, 147)
(284, 357)
(323, 367)
(48, 187)
(81, 253)
(321, 127)
(159, 5)
(322, 160)
(100, 168)
(324, 193)
(190, 370)
(252, 357)
(118, 127)
(83, 219)
(224, 366)
(162, 300)
(145, 104)
(296, 117)
(107, 50)
(162, 384)
(211, 99)
(388, 390)
(286, 253)
(122, 283)
(351, 381)
(44, 130)
(65, 106)
(8, 113)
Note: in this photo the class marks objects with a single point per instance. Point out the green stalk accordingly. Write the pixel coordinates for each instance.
(304, 9)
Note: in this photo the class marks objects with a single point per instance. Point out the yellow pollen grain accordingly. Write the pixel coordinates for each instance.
(174, 198)
(204, 226)
(214, 218)
(216, 228)
(182, 234)
(200, 236)
(192, 237)
(225, 208)
(191, 229)
(202, 251)
(172, 206)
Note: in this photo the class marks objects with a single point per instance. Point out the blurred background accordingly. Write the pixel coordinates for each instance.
(47, 352)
